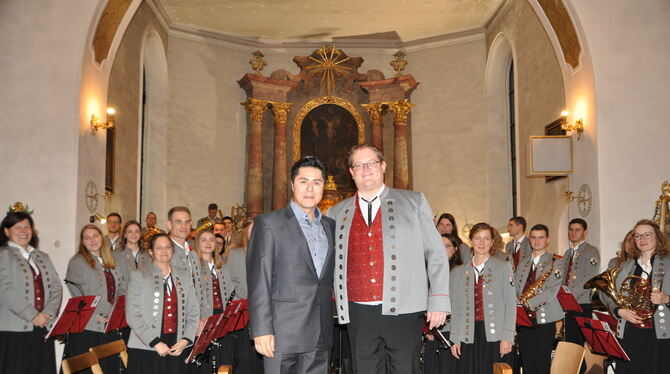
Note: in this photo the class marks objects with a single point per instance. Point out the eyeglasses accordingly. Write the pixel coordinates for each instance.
(646, 235)
(369, 165)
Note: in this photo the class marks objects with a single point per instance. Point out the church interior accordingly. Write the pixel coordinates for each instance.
(214, 100)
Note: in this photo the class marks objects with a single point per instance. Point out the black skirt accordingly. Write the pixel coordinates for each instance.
(438, 359)
(479, 357)
(80, 343)
(143, 361)
(26, 352)
(647, 354)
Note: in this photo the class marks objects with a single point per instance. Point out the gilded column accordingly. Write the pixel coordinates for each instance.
(400, 111)
(376, 113)
(256, 109)
(279, 167)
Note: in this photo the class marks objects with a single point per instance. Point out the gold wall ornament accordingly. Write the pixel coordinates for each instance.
(257, 63)
(329, 64)
(300, 116)
(662, 209)
(255, 108)
(280, 111)
(374, 111)
(399, 62)
(400, 111)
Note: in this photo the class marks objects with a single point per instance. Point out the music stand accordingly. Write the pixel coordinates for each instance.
(74, 317)
(117, 318)
(522, 318)
(567, 300)
(600, 338)
(206, 336)
(606, 317)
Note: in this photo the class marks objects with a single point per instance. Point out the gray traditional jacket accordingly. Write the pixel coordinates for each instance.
(191, 265)
(525, 251)
(144, 306)
(237, 266)
(126, 262)
(499, 300)
(225, 285)
(545, 302)
(661, 280)
(414, 255)
(17, 291)
(93, 283)
(585, 265)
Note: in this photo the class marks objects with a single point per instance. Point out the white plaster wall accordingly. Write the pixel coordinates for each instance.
(627, 43)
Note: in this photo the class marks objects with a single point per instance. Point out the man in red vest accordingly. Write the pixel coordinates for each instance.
(391, 269)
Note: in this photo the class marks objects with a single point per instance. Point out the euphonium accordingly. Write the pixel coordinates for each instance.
(535, 288)
(633, 294)
(146, 238)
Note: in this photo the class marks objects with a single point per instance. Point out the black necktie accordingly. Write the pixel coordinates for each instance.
(370, 209)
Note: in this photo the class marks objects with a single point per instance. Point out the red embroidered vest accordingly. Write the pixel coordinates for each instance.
(365, 259)
(38, 290)
(170, 311)
(479, 299)
(111, 286)
(216, 290)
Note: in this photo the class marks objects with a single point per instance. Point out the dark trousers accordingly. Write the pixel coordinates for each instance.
(572, 332)
(313, 362)
(384, 344)
(535, 346)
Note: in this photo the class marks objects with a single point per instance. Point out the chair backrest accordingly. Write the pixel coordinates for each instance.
(501, 368)
(595, 363)
(567, 358)
(117, 347)
(81, 362)
(225, 369)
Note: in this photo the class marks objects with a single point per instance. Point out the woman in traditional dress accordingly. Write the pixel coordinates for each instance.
(483, 305)
(92, 271)
(30, 296)
(162, 311)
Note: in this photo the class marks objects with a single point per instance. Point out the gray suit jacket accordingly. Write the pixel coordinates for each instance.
(499, 302)
(465, 252)
(660, 278)
(286, 298)
(585, 265)
(414, 255)
(545, 302)
(17, 292)
(225, 285)
(144, 306)
(525, 249)
(191, 265)
(237, 265)
(126, 262)
(93, 282)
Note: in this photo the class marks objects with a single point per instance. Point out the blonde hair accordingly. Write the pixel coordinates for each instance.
(108, 261)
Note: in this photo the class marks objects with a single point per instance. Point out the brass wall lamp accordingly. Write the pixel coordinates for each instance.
(96, 124)
(577, 126)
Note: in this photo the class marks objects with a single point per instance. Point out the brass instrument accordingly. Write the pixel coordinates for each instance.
(535, 288)
(661, 211)
(632, 294)
(146, 237)
(205, 225)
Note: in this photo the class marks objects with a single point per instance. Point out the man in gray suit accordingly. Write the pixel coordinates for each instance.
(290, 278)
(390, 268)
(581, 263)
(519, 246)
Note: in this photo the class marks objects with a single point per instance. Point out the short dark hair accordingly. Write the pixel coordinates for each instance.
(11, 219)
(152, 242)
(114, 214)
(540, 227)
(175, 209)
(308, 162)
(229, 218)
(519, 221)
(579, 221)
(212, 206)
(378, 153)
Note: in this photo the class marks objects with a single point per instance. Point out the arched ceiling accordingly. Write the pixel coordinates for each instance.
(309, 20)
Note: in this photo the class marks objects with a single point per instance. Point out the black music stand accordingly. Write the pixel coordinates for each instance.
(601, 338)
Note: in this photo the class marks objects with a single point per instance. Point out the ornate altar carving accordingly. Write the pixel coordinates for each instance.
(662, 210)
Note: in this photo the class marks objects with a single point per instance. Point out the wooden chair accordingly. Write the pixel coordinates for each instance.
(117, 347)
(225, 369)
(81, 362)
(595, 363)
(567, 358)
(501, 368)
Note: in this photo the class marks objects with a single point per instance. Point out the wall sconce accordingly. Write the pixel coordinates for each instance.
(577, 126)
(97, 217)
(97, 125)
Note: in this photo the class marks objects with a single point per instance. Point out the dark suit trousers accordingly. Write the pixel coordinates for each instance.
(313, 362)
(535, 346)
(572, 332)
(384, 344)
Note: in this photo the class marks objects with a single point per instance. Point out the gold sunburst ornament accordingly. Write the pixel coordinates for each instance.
(328, 64)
